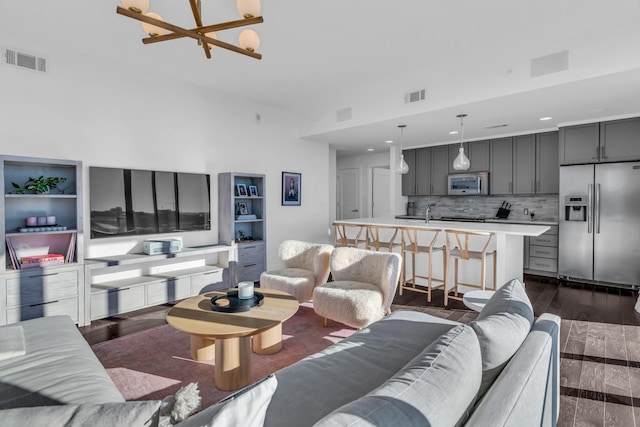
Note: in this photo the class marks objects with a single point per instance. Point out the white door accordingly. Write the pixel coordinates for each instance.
(348, 194)
(380, 206)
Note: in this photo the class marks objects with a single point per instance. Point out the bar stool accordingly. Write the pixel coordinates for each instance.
(411, 245)
(459, 250)
(348, 235)
(382, 237)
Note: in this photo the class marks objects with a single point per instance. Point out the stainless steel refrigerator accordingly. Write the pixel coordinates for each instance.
(599, 236)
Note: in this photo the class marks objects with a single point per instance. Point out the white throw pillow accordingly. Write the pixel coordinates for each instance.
(245, 408)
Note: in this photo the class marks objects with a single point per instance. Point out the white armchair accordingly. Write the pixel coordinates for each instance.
(306, 265)
(363, 287)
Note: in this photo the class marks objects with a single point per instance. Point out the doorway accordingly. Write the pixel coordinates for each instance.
(348, 194)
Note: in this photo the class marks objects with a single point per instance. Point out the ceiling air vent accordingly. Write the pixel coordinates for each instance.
(502, 125)
(344, 114)
(415, 96)
(24, 60)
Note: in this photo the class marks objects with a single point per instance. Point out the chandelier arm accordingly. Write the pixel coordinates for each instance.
(195, 8)
(187, 33)
(206, 29)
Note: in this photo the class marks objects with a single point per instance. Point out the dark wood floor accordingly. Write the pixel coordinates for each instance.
(600, 344)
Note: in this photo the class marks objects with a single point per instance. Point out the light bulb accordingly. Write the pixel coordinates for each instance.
(248, 8)
(461, 163)
(249, 40)
(137, 6)
(211, 35)
(403, 167)
(151, 29)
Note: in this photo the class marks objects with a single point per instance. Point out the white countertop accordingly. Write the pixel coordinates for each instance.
(517, 229)
(541, 221)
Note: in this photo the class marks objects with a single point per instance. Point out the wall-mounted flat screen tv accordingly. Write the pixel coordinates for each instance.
(125, 202)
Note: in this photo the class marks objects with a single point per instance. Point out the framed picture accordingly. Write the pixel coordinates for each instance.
(241, 189)
(253, 191)
(242, 208)
(291, 188)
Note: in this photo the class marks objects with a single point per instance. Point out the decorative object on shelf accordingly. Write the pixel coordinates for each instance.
(402, 167)
(242, 237)
(156, 27)
(231, 303)
(241, 190)
(245, 290)
(253, 191)
(40, 185)
(42, 220)
(461, 162)
(242, 209)
(32, 221)
(291, 188)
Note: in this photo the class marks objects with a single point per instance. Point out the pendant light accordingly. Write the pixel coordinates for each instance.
(461, 163)
(402, 167)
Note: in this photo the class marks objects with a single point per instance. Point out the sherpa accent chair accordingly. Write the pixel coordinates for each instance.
(306, 265)
(363, 286)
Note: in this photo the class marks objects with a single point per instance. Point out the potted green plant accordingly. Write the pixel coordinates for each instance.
(40, 185)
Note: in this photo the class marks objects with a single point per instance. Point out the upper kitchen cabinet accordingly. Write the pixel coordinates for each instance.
(580, 144)
(501, 171)
(409, 179)
(620, 140)
(430, 169)
(524, 161)
(478, 156)
(547, 164)
(613, 141)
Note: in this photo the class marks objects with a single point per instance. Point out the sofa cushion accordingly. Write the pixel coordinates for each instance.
(436, 388)
(58, 367)
(142, 414)
(12, 339)
(247, 407)
(351, 368)
(502, 326)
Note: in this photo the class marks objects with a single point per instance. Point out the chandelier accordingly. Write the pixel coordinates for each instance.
(461, 162)
(159, 30)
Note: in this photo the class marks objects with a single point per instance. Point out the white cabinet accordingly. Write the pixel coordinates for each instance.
(124, 283)
(42, 223)
(242, 221)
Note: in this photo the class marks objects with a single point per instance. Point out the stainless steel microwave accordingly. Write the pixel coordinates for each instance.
(468, 184)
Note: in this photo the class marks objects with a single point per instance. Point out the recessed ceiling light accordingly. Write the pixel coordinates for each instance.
(388, 142)
(453, 132)
(542, 119)
(370, 149)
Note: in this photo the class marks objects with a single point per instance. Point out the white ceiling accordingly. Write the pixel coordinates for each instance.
(323, 56)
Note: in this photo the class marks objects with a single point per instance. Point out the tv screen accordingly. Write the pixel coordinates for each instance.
(126, 202)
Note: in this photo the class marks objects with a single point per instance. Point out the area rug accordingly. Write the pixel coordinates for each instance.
(155, 363)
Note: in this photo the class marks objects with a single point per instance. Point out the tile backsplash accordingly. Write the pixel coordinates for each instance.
(544, 206)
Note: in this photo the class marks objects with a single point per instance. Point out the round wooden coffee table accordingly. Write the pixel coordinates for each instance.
(227, 336)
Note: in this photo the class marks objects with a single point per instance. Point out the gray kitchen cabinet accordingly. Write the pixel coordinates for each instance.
(478, 152)
(620, 140)
(423, 171)
(409, 179)
(580, 144)
(524, 164)
(501, 170)
(543, 253)
(439, 170)
(547, 164)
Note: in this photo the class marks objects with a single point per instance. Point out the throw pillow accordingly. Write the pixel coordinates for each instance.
(143, 414)
(502, 326)
(12, 339)
(437, 388)
(246, 407)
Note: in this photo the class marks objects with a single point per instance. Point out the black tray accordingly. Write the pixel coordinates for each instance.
(237, 305)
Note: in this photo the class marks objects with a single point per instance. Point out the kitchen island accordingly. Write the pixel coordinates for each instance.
(508, 242)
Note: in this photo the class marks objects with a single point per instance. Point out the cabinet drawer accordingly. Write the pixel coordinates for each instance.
(36, 288)
(168, 290)
(543, 251)
(117, 300)
(553, 229)
(208, 281)
(544, 240)
(544, 264)
(250, 253)
(249, 272)
(67, 306)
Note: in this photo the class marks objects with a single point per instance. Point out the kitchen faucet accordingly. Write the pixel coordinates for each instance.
(427, 213)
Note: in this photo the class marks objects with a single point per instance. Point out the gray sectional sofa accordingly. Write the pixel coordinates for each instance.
(408, 369)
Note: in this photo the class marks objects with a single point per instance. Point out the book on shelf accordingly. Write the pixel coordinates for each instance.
(245, 217)
(41, 258)
(42, 263)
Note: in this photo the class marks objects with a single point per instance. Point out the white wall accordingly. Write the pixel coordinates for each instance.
(364, 164)
(107, 115)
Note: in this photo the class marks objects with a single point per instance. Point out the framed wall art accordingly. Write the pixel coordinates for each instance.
(291, 188)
